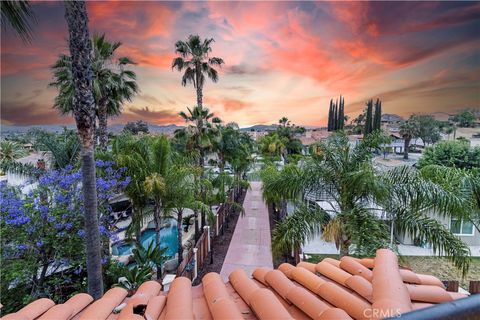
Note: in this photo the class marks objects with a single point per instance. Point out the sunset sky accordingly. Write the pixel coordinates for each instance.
(281, 58)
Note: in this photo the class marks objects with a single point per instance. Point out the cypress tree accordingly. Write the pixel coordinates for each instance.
(330, 116)
(335, 122)
(341, 114)
(368, 119)
(379, 120)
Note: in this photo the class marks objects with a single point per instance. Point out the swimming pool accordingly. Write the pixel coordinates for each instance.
(168, 239)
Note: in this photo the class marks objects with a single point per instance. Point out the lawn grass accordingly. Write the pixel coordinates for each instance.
(436, 266)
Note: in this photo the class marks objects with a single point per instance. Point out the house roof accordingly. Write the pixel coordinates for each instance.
(348, 288)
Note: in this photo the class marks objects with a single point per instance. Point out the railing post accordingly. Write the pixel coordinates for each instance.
(474, 287)
(216, 222)
(207, 230)
(195, 269)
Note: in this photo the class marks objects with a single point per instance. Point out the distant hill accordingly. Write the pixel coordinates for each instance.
(260, 127)
(116, 128)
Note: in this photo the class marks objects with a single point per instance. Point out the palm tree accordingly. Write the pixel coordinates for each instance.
(64, 148)
(284, 122)
(408, 131)
(273, 145)
(199, 129)
(19, 16)
(358, 198)
(194, 59)
(84, 112)
(200, 132)
(134, 154)
(11, 151)
(112, 83)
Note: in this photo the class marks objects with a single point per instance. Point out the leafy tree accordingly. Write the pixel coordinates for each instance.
(408, 131)
(465, 119)
(427, 128)
(84, 113)
(194, 59)
(355, 191)
(43, 233)
(457, 154)
(136, 127)
(112, 83)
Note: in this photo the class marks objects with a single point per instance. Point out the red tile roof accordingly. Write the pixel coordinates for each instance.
(347, 289)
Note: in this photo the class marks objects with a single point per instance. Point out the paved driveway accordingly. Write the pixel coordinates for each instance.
(250, 247)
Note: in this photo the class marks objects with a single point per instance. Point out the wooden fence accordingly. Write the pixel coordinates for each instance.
(196, 256)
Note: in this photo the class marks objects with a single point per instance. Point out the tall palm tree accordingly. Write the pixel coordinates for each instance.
(159, 165)
(113, 84)
(19, 15)
(358, 197)
(194, 59)
(84, 112)
(408, 131)
(200, 131)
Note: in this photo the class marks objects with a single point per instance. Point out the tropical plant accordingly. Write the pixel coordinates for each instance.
(11, 151)
(408, 131)
(199, 130)
(153, 256)
(84, 113)
(358, 198)
(462, 181)
(272, 145)
(453, 153)
(134, 277)
(195, 60)
(19, 15)
(112, 83)
(64, 148)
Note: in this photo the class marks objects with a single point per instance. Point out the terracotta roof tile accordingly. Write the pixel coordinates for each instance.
(390, 294)
(332, 289)
(356, 268)
(332, 272)
(179, 300)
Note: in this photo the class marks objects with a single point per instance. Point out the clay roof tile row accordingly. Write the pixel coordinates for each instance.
(348, 288)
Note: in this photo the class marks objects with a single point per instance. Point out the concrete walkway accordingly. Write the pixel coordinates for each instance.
(250, 247)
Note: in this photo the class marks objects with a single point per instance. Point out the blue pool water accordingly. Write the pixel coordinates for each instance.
(168, 239)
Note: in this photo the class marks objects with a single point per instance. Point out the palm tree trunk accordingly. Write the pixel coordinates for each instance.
(195, 213)
(199, 86)
(137, 224)
(179, 235)
(158, 225)
(406, 148)
(84, 111)
(102, 124)
(344, 247)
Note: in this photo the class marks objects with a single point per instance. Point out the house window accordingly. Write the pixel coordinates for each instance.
(461, 227)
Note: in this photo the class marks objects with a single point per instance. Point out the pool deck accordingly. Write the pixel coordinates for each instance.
(250, 246)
